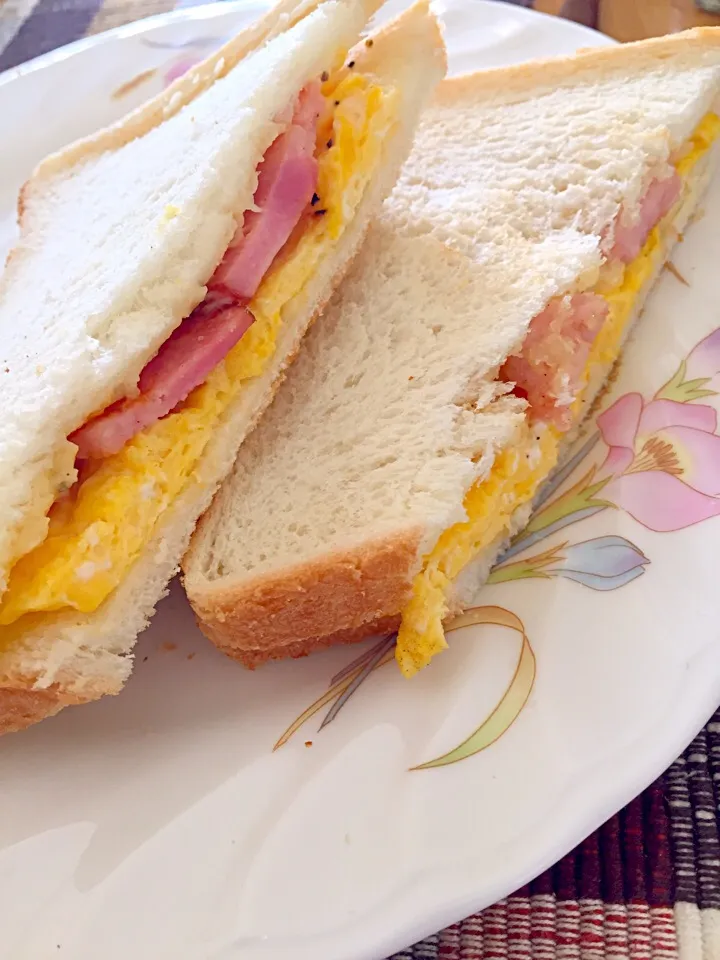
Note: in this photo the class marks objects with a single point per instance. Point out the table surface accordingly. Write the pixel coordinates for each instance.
(646, 886)
(631, 19)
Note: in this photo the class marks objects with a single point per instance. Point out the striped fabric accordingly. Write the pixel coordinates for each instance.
(646, 886)
(31, 27)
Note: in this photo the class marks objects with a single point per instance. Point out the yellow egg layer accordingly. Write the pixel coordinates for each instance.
(518, 472)
(101, 528)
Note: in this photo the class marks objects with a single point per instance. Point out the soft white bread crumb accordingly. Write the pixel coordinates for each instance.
(389, 415)
(71, 657)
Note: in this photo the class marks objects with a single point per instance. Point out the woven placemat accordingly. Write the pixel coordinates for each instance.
(646, 886)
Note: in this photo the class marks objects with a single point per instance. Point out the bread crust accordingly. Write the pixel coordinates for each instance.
(536, 74)
(21, 706)
(253, 658)
(337, 598)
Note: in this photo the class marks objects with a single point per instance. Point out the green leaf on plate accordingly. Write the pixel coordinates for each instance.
(512, 701)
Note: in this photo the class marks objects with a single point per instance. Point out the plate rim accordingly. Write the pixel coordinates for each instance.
(215, 9)
(382, 939)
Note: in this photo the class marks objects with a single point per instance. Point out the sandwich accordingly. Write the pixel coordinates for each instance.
(460, 356)
(166, 271)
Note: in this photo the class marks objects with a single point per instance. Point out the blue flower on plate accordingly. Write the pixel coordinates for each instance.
(604, 563)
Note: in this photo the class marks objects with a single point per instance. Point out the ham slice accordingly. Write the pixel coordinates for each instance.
(310, 108)
(182, 363)
(659, 199)
(287, 178)
(548, 372)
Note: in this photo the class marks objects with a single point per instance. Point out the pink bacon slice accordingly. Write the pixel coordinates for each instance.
(549, 369)
(548, 372)
(287, 178)
(182, 363)
(659, 199)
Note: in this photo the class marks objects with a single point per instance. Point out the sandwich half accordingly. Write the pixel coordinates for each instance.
(460, 356)
(166, 272)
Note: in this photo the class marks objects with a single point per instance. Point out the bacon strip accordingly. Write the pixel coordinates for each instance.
(182, 363)
(629, 239)
(549, 369)
(287, 178)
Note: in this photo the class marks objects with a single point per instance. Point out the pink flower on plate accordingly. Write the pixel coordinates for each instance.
(704, 360)
(179, 68)
(663, 463)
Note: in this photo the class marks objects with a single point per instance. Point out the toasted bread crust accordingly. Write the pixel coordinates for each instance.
(339, 598)
(302, 648)
(553, 70)
(21, 706)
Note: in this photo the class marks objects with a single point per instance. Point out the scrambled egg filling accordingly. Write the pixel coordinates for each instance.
(99, 529)
(518, 472)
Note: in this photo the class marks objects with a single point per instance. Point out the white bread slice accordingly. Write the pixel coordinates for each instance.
(71, 658)
(120, 232)
(388, 417)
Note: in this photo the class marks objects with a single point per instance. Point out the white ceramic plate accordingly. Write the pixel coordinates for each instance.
(161, 824)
